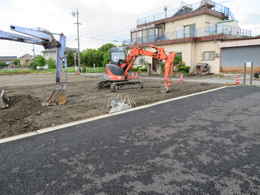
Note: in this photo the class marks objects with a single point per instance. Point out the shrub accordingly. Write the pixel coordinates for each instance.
(139, 69)
(2, 64)
(51, 63)
(183, 68)
(17, 62)
(84, 69)
(38, 61)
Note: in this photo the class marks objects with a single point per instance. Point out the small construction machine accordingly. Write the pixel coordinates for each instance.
(118, 75)
(46, 39)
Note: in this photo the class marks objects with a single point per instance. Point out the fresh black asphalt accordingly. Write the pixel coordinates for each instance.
(205, 144)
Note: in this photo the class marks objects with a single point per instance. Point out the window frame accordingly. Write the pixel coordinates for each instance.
(208, 55)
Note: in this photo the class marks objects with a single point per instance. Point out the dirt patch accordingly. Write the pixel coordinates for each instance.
(18, 118)
(84, 101)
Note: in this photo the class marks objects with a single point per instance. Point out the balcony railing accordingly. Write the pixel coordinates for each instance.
(172, 11)
(181, 34)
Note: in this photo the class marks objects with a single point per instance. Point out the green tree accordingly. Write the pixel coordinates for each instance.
(2, 64)
(99, 57)
(51, 63)
(105, 49)
(70, 58)
(38, 61)
(17, 62)
(106, 58)
(89, 57)
(178, 60)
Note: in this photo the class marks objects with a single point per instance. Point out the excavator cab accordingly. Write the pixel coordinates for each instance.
(118, 55)
(115, 75)
(114, 71)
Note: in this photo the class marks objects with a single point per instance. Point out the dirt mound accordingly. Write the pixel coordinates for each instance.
(19, 117)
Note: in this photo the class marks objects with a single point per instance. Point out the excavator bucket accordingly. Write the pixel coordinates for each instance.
(57, 97)
(4, 100)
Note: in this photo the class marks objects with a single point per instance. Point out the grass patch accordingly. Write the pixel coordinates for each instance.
(30, 71)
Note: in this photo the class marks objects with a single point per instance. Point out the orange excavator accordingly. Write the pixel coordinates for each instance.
(117, 73)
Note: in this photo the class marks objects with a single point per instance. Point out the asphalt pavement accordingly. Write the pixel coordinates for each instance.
(207, 144)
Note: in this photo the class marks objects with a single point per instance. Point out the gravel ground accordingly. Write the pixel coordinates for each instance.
(84, 100)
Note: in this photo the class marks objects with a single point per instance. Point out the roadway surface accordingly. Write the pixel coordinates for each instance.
(207, 143)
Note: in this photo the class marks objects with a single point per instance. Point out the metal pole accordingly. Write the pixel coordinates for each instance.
(244, 74)
(34, 51)
(77, 13)
(60, 61)
(251, 73)
(75, 61)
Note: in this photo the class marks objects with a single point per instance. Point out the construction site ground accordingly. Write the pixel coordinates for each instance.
(28, 92)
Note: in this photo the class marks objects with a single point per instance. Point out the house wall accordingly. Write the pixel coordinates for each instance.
(209, 46)
(192, 53)
(47, 54)
(186, 50)
(201, 23)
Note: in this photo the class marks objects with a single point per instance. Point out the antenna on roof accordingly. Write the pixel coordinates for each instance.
(165, 11)
(183, 3)
(207, 3)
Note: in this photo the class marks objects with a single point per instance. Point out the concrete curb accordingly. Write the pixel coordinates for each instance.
(60, 127)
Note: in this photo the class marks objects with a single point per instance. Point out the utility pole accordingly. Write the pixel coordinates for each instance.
(33, 50)
(76, 14)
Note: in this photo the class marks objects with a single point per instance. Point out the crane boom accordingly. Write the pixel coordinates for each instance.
(39, 37)
(19, 38)
(37, 33)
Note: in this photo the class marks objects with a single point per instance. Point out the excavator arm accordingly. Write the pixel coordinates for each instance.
(117, 71)
(159, 54)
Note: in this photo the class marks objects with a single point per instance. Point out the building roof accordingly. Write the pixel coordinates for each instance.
(26, 56)
(240, 42)
(8, 58)
(185, 15)
(202, 7)
(53, 50)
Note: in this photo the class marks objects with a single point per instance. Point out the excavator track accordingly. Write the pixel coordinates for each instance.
(119, 85)
(126, 85)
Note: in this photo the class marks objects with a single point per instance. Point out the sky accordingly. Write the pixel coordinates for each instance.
(102, 21)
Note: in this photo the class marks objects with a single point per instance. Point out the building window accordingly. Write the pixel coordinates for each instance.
(208, 55)
(189, 30)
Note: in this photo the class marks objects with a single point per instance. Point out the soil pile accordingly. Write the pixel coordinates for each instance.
(19, 117)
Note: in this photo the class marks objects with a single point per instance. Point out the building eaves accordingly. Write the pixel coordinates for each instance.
(220, 37)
